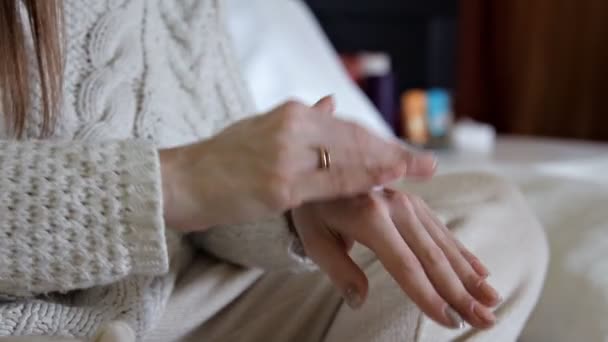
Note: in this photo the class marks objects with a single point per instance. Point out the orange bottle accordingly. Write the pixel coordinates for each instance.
(413, 116)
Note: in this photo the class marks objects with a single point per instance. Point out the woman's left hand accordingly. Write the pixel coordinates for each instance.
(436, 271)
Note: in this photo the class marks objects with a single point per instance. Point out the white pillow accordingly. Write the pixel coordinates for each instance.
(284, 54)
(574, 302)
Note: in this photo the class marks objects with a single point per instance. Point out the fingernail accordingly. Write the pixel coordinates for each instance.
(484, 314)
(455, 318)
(352, 298)
(422, 165)
(488, 290)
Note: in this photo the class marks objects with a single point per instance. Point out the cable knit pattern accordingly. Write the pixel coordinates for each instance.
(82, 237)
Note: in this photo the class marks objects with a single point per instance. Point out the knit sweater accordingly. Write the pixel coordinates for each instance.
(82, 235)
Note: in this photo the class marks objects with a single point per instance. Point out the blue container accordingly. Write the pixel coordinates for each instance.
(439, 106)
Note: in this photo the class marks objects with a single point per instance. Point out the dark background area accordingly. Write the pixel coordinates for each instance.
(419, 36)
(535, 67)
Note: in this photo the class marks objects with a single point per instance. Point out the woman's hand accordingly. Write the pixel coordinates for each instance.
(441, 276)
(264, 165)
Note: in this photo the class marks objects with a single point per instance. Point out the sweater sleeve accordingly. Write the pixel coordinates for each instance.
(75, 215)
(268, 244)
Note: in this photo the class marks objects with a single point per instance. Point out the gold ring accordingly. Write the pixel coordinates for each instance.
(324, 159)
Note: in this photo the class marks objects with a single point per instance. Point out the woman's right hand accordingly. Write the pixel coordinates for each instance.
(267, 164)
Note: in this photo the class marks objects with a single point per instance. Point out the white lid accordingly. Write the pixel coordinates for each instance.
(375, 63)
(471, 136)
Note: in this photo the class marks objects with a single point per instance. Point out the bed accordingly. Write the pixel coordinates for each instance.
(566, 183)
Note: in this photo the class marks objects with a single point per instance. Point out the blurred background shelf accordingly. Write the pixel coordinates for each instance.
(419, 36)
(526, 67)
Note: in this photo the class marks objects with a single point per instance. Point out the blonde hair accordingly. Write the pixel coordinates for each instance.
(42, 24)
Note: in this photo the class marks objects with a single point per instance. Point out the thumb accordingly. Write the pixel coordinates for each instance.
(330, 253)
(326, 105)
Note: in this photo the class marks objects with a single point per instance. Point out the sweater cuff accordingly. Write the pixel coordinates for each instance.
(146, 235)
(75, 215)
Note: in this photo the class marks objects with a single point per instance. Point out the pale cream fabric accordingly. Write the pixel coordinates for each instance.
(486, 214)
(117, 331)
(83, 241)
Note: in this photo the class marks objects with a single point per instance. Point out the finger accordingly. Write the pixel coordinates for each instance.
(402, 264)
(355, 146)
(475, 284)
(404, 267)
(359, 162)
(436, 265)
(342, 181)
(330, 253)
(476, 264)
(326, 105)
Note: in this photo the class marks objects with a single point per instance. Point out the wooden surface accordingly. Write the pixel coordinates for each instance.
(535, 67)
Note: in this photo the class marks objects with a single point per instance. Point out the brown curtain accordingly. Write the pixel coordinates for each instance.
(537, 67)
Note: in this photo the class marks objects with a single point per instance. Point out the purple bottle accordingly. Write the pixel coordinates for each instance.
(379, 85)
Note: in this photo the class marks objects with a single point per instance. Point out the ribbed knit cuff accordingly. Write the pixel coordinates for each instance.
(145, 234)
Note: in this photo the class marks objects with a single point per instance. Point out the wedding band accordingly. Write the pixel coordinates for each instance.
(324, 159)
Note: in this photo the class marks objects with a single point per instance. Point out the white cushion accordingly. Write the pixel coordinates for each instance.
(574, 302)
(284, 54)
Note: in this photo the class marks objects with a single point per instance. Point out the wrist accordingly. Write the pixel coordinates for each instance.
(168, 171)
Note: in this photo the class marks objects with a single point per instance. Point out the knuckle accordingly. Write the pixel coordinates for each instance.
(434, 257)
(401, 199)
(411, 267)
(446, 243)
(288, 125)
(465, 303)
(370, 206)
(472, 280)
(414, 199)
(293, 106)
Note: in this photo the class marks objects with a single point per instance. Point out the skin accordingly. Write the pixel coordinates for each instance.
(269, 164)
(419, 252)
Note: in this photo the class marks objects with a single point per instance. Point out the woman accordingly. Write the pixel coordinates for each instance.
(153, 201)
